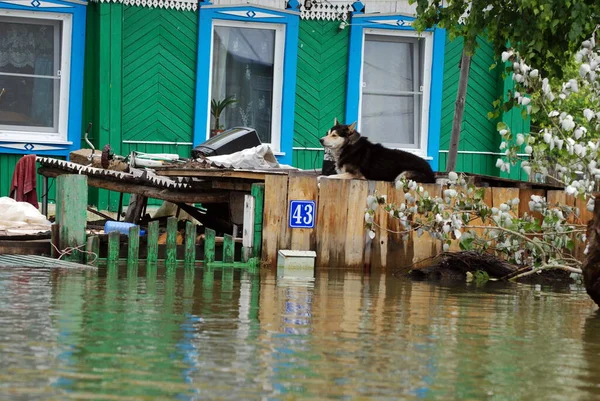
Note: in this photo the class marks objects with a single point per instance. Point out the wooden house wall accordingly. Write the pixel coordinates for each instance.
(142, 80)
(479, 141)
(320, 89)
(139, 90)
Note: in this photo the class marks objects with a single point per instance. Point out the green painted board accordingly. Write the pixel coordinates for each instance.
(171, 258)
(209, 246)
(321, 87)
(190, 244)
(133, 247)
(152, 247)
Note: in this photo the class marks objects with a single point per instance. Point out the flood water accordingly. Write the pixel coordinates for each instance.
(230, 335)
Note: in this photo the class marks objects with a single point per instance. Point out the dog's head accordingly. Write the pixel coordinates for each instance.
(340, 135)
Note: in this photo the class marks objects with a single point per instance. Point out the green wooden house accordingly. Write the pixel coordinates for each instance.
(144, 72)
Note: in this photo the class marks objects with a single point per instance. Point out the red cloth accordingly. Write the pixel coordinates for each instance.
(24, 181)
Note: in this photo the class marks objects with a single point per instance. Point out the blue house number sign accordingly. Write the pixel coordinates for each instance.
(302, 214)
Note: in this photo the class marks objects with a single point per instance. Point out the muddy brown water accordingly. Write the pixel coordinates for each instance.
(230, 335)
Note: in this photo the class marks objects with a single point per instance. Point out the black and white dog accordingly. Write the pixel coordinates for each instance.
(356, 157)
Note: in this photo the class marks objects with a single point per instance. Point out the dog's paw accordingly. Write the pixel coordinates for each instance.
(319, 180)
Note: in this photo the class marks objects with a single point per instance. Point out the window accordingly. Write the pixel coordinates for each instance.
(249, 53)
(246, 65)
(34, 75)
(395, 78)
(393, 89)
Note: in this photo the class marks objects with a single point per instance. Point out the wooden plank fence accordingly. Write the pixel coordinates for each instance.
(339, 236)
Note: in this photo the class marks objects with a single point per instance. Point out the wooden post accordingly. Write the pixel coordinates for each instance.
(258, 191)
(228, 248)
(114, 239)
(171, 258)
(135, 208)
(209, 246)
(190, 244)
(93, 248)
(152, 254)
(133, 247)
(248, 233)
(71, 213)
(54, 240)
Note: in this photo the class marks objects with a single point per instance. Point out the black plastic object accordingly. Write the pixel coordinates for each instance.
(227, 142)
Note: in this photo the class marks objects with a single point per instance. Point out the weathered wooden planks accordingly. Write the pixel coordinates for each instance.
(274, 216)
(340, 236)
(71, 214)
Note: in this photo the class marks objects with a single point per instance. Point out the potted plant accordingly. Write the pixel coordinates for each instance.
(216, 108)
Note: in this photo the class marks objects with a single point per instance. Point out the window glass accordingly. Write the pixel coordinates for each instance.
(29, 74)
(392, 89)
(243, 66)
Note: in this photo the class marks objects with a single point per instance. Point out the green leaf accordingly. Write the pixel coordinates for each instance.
(466, 244)
(479, 194)
(501, 125)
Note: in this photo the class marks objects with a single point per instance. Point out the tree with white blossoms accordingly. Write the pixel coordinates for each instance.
(564, 149)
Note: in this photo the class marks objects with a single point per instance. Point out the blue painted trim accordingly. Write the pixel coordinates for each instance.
(78, 12)
(435, 97)
(291, 20)
(358, 23)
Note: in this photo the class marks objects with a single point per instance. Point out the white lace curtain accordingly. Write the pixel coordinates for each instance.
(20, 44)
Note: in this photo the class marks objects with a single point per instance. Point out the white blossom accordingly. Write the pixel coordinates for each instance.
(588, 114)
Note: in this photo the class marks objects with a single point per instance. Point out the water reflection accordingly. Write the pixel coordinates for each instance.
(193, 334)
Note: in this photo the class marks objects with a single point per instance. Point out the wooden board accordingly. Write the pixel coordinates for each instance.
(220, 173)
(355, 230)
(332, 220)
(39, 261)
(301, 188)
(274, 223)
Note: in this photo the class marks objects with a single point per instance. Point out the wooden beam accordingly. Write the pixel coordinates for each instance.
(200, 173)
(144, 190)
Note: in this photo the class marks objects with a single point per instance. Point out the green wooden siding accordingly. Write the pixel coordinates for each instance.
(144, 82)
(320, 88)
(478, 132)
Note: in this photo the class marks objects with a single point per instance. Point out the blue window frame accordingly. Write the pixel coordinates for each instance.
(41, 77)
(401, 104)
(249, 53)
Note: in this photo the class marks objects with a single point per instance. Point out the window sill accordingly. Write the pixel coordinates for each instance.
(36, 141)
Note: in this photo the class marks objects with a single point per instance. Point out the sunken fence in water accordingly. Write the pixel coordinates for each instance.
(333, 225)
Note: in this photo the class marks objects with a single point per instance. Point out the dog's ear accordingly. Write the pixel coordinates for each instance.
(352, 127)
(335, 122)
(354, 137)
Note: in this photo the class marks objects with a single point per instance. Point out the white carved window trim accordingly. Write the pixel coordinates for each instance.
(421, 150)
(277, 73)
(61, 134)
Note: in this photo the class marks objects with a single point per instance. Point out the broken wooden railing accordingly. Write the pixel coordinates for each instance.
(189, 247)
(69, 238)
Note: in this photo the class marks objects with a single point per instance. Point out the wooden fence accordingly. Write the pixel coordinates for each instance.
(339, 236)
